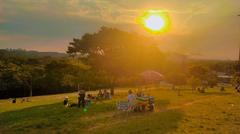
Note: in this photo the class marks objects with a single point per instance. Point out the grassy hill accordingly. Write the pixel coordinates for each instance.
(212, 112)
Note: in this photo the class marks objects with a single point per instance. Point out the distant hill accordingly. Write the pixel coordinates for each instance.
(26, 53)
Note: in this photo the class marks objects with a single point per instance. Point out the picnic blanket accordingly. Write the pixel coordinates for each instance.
(140, 101)
(123, 106)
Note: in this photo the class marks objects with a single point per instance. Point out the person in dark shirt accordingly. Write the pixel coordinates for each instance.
(81, 98)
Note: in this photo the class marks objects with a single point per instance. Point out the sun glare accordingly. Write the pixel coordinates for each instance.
(155, 21)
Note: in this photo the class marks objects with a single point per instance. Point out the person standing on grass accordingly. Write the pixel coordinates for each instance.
(81, 98)
(131, 100)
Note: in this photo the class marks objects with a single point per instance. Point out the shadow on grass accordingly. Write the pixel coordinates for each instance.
(162, 103)
(160, 122)
(216, 93)
(49, 117)
(55, 118)
(147, 123)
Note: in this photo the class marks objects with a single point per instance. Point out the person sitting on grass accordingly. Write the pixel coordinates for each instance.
(90, 96)
(222, 89)
(131, 100)
(105, 94)
(109, 95)
(140, 93)
(100, 94)
(89, 99)
(14, 100)
(65, 101)
(23, 100)
(112, 91)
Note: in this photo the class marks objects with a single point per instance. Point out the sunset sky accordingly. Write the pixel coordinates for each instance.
(200, 28)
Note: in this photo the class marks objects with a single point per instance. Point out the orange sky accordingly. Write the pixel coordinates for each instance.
(200, 28)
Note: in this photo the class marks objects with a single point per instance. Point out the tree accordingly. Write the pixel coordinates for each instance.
(116, 52)
(194, 82)
(69, 80)
(30, 76)
(207, 76)
(10, 82)
(211, 79)
(198, 71)
(25, 76)
(176, 79)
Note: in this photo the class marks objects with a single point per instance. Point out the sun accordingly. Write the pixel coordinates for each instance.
(155, 21)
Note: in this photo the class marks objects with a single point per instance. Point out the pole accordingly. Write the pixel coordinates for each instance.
(239, 55)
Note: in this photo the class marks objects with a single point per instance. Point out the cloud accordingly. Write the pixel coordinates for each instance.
(4, 38)
(198, 26)
(103, 10)
(2, 19)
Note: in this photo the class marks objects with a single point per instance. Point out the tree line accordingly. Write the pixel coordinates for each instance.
(106, 59)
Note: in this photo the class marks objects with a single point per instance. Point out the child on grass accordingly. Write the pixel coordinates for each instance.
(131, 100)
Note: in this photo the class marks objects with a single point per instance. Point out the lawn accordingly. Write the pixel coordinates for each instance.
(212, 112)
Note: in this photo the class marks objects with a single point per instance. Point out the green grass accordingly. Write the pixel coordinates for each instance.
(212, 112)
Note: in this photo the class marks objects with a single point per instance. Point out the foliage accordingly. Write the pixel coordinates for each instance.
(176, 79)
(116, 52)
(224, 66)
(194, 82)
(105, 59)
(204, 74)
(27, 76)
(198, 71)
(211, 79)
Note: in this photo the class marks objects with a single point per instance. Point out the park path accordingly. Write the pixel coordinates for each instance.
(186, 104)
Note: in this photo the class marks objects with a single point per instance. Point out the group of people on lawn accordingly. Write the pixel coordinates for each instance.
(137, 102)
(84, 100)
(105, 95)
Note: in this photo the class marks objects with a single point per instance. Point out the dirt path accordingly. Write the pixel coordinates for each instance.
(186, 104)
